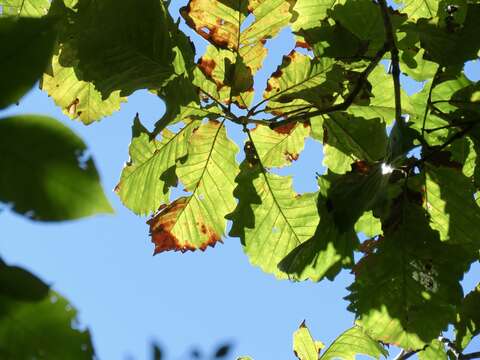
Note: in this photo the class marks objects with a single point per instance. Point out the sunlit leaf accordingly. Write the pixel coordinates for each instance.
(451, 205)
(303, 81)
(352, 342)
(78, 99)
(198, 220)
(270, 219)
(304, 346)
(434, 351)
(281, 146)
(145, 180)
(24, 8)
(467, 324)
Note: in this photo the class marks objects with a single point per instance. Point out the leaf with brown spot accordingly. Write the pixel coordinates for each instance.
(301, 81)
(146, 179)
(77, 98)
(198, 221)
(162, 224)
(279, 148)
(220, 21)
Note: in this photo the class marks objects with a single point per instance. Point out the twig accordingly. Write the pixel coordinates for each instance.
(225, 109)
(428, 131)
(390, 40)
(474, 355)
(429, 101)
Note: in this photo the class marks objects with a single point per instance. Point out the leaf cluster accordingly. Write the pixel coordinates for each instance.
(402, 174)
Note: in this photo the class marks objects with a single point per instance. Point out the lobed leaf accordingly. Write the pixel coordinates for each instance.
(146, 179)
(451, 205)
(281, 146)
(270, 219)
(198, 220)
(77, 98)
(352, 342)
(467, 324)
(304, 346)
(415, 278)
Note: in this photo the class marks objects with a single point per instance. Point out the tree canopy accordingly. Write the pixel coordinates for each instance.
(402, 172)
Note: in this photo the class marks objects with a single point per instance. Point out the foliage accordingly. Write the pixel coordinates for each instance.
(402, 172)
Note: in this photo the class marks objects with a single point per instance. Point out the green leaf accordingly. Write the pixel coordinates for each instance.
(47, 176)
(27, 45)
(369, 225)
(19, 284)
(347, 139)
(198, 220)
(450, 203)
(220, 22)
(281, 146)
(223, 76)
(301, 81)
(304, 346)
(123, 45)
(351, 194)
(382, 101)
(42, 330)
(270, 219)
(446, 46)
(434, 351)
(352, 342)
(310, 13)
(467, 324)
(414, 279)
(78, 99)
(145, 181)
(24, 8)
(325, 254)
(419, 8)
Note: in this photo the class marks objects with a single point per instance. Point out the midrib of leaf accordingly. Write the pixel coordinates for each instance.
(158, 150)
(201, 176)
(281, 92)
(278, 144)
(264, 173)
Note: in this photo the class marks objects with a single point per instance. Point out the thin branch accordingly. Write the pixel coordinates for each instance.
(474, 355)
(226, 110)
(408, 354)
(429, 101)
(390, 40)
(428, 131)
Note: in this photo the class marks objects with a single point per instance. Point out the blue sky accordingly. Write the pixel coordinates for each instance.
(127, 297)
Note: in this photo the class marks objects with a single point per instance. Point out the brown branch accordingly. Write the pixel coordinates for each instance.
(226, 110)
(390, 40)
(474, 355)
(429, 101)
